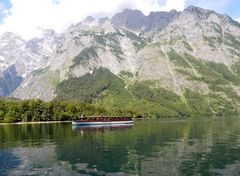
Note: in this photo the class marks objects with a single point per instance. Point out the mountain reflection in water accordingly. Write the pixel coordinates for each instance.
(149, 147)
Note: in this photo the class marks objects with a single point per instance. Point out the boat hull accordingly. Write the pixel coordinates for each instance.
(78, 123)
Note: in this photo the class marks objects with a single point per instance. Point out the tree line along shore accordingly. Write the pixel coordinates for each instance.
(36, 110)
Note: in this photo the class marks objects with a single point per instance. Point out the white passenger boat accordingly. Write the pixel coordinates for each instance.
(102, 120)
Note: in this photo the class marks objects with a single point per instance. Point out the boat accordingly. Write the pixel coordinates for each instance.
(102, 120)
(101, 128)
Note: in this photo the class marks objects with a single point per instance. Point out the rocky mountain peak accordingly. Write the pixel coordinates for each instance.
(49, 33)
(9, 36)
(9, 39)
(103, 20)
(156, 21)
(89, 19)
(200, 13)
(131, 19)
(135, 20)
(192, 8)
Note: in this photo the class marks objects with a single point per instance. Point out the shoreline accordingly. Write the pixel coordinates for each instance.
(28, 123)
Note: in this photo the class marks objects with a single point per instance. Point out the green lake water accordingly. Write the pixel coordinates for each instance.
(149, 147)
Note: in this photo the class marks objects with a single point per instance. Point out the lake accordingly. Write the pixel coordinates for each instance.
(149, 147)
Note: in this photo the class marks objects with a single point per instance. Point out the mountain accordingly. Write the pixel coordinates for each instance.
(164, 64)
(19, 58)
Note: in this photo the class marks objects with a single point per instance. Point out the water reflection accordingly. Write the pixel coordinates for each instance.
(207, 147)
(103, 128)
(8, 161)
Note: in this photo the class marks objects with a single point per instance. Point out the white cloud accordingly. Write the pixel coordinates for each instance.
(173, 4)
(27, 17)
(238, 19)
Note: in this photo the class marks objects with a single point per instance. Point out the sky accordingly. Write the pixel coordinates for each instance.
(28, 17)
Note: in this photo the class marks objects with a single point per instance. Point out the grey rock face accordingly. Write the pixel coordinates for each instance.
(9, 81)
(156, 21)
(18, 58)
(135, 20)
(130, 19)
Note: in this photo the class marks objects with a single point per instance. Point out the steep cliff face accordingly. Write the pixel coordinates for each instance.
(18, 58)
(192, 53)
(9, 80)
(198, 38)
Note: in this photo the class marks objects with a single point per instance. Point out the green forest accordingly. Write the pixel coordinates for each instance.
(142, 98)
(36, 110)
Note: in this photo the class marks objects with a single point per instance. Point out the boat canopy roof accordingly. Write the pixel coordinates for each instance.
(105, 118)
